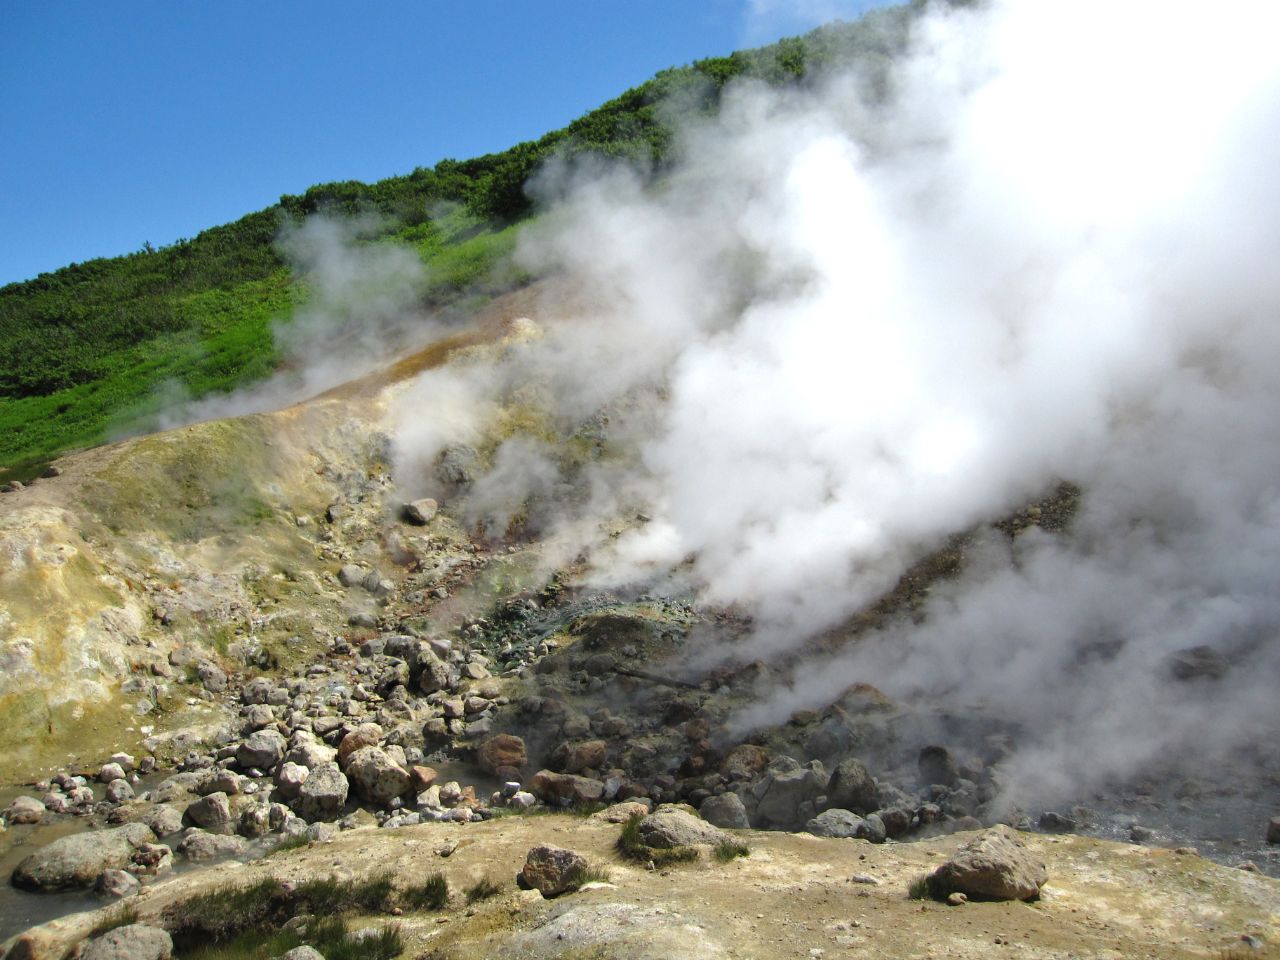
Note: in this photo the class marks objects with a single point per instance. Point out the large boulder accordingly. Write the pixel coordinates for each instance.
(502, 750)
(565, 789)
(670, 826)
(25, 810)
(365, 735)
(290, 778)
(323, 794)
(162, 818)
(843, 824)
(725, 810)
(1273, 830)
(199, 845)
(262, 749)
(576, 757)
(420, 512)
(786, 795)
(74, 862)
(993, 866)
(852, 788)
(553, 870)
(213, 813)
(936, 765)
(429, 671)
(375, 777)
(136, 941)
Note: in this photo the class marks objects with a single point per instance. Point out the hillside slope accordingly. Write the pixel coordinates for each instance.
(97, 349)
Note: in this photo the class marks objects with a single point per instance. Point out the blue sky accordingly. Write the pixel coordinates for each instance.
(132, 122)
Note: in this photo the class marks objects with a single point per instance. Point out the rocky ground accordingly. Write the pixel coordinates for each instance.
(206, 662)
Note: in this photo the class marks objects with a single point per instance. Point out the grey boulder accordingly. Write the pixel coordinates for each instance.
(993, 866)
(74, 862)
(725, 810)
(323, 794)
(137, 941)
(670, 826)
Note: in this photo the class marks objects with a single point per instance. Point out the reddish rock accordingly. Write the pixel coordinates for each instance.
(553, 870)
(365, 735)
(502, 750)
(576, 757)
(422, 777)
(565, 788)
(745, 760)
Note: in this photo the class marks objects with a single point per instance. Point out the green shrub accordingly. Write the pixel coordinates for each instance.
(431, 894)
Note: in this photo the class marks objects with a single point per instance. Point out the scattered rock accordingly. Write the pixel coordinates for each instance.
(993, 866)
(25, 810)
(420, 512)
(553, 870)
(117, 883)
(136, 941)
(303, 952)
(75, 861)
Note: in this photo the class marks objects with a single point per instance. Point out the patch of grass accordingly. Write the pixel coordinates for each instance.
(224, 916)
(330, 935)
(294, 842)
(920, 888)
(431, 894)
(630, 847)
(483, 889)
(587, 809)
(731, 850)
(121, 916)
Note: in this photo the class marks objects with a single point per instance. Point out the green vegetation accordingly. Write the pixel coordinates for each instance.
(102, 348)
(730, 850)
(431, 894)
(918, 889)
(483, 889)
(630, 847)
(329, 935)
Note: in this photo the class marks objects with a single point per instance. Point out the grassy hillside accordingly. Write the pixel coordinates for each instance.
(96, 348)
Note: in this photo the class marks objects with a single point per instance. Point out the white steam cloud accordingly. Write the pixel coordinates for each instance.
(863, 326)
(360, 308)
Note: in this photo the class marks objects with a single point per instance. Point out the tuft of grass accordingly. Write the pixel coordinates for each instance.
(329, 935)
(223, 917)
(920, 888)
(483, 889)
(121, 916)
(630, 847)
(294, 842)
(731, 850)
(431, 894)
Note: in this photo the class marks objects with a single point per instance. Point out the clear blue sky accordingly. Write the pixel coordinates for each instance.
(132, 121)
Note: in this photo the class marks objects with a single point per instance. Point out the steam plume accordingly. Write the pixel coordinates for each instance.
(864, 325)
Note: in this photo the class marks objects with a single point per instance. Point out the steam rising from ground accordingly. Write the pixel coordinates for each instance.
(360, 308)
(863, 326)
